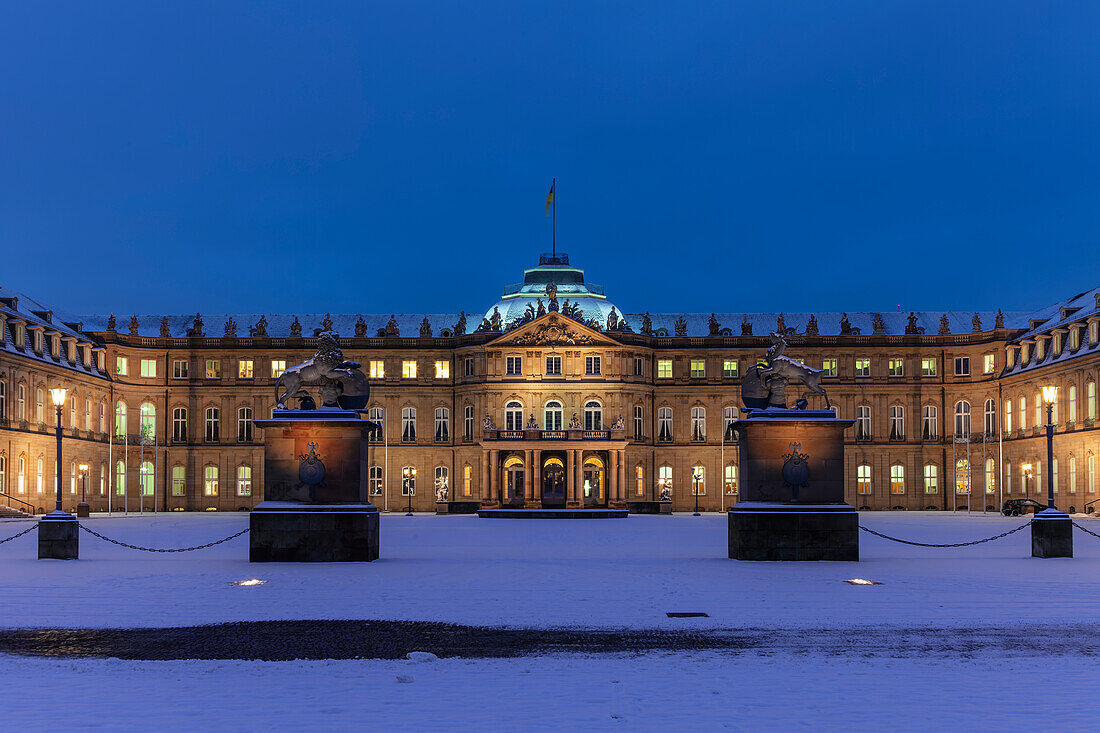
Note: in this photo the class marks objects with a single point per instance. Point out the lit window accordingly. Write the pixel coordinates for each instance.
(377, 369)
(442, 369)
(408, 369)
(244, 425)
(120, 478)
(514, 365)
(122, 366)
(731, 480)
(698, 481)
(897, 479)
(962, 366)
(1072, 403)
(1054, 474)
(664, 479)
(146, 479)
(896, 367)
(72, 478)
(664, 424)
(664, 369)
(147, 423)
(962, 476)
(244, 481)
(987, 364)
(553, 365)
(120, 419)
(210, 481)
(1022, 402)
(179, 480)
(591, 365)
(931, 480)
(213, 369)
(863, 479)
(698, 368)
(467, 480)
(408, 424)
(179, 369)
(639, 481)
(698, 424)
(729, 368)
(928, 367)
(244, 369)
(41, 478)
(148, 367)
(991, 476)
(278, 367)
(828, 367)
(1090, 401)
(442, 480)
(442, 424)
(1074, 337)
(1091, 473)
(1072, 475)
(39, 406)
(863, 367)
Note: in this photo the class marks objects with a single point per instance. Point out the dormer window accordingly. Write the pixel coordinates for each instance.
(1094, 332)
(1074, 337)
(1025, 353)
(1040, 348)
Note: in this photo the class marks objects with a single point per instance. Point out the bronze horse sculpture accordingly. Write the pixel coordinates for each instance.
(343, 384)
(765, 384)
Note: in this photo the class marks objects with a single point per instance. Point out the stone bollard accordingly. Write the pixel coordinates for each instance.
(1051, 534)
(58, 537)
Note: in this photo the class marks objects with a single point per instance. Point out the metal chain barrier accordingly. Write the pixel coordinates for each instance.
(1087, 531)
(35, 526)
(947, 544)
(158, 549)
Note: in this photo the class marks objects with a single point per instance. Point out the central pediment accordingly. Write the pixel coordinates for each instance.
(553, 329)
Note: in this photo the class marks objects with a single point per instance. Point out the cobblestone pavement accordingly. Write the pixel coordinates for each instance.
(361, 639)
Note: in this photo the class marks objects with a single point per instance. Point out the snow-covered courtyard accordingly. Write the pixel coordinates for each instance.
(613, 574)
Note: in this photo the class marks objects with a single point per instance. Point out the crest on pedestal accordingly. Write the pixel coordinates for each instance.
(796, 470)
(311, 471)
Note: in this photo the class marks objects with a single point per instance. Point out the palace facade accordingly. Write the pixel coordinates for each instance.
(550, 397)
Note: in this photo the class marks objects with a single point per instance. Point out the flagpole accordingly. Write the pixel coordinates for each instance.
(554, 226)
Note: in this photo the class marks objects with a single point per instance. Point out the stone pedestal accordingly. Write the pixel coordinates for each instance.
(649, 507)
(83, 509)
(792, 489)
(1051, 534)
(457, 507)
(315, 507)
(58, 537)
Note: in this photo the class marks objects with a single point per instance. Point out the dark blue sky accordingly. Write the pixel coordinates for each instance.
(395, 157)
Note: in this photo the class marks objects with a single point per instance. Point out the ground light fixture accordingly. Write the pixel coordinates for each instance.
(250, 582)
(862, 581)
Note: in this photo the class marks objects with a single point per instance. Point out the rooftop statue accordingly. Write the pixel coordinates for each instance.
(342, 383)
(765, 384)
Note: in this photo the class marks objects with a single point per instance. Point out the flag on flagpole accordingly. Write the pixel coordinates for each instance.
(549, 199)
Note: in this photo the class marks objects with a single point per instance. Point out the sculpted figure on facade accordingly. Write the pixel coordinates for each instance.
(296, 328)
(425, 328)
(165, 331)
(460, 325)
(231, 327)
(811, 326)
(196, 327)
(360, 328)
(134, 326)
(111, 322)
(714, 328)
(976, 323)
(574, 422)
(260, 329)
(945, 325)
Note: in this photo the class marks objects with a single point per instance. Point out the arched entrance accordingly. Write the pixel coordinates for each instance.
(553, 483)
(513, 481)
(593, 482)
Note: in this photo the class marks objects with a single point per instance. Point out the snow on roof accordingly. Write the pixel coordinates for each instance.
(14, 304)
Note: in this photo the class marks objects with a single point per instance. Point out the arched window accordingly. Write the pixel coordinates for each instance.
(3, 400)
(962, 476)
(120, 418)
(990, 476)
(374, 480)
(930, 422)
(72, 412)
(863, 422)
(120, 478)
(72, 477)
(102, 479)
(442, 483)
(244, 480)
(552, 415)
(3, 473)
(897, 422)
(408, 424)
(639, 481)
(88, 414)
(1054, 474)
(21, 403)
(698, 424)
(1072, 403)
(21, 476)
(213, 424)
(1038, 409)
(897, 479)
(467, 480)
(989, 417)
(179, 481)
(1008, 416)
(1090, 401)
(210, 481)
(513, 415)
(931, 479)
(145, 478)
(39, 406)
(731, 480)
(1022, 403)
(698, 480)
(593, 415)
(664, 482)
(40, 481)
(962, 418)
(408, 481)
(179, 424)
(442, 424)
(863, 479)
(147, 422)
(244, 424)
(730, 415)
(664, 424)
(1073, 474)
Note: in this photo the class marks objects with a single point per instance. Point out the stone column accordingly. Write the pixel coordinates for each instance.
(623, 486)
(528, 476)
(578, 477)
(570, 488)
(536, 482)
(613, 476)
(494, 475)
(485, 489)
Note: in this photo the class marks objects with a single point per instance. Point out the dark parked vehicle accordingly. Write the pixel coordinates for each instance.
(1016, 507)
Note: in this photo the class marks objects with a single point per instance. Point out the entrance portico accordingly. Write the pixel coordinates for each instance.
(553, 468)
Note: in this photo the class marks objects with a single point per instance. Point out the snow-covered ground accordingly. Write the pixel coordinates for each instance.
(607, 573)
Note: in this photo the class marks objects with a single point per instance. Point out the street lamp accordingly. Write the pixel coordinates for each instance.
(82, 509)
(1050, 392)
(408, 479)
(696, 477)
(57, 394)
(1027, 480)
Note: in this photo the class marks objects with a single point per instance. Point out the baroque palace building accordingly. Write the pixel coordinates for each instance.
(553, 397)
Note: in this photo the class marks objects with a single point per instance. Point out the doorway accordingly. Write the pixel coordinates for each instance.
(593, 482)
(513, 482)
(553, 483)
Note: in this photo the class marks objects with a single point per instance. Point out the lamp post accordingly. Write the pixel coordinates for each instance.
(408, 479)
(57, 394)
(696, 476)
(58, 532)
(1027, 480)
(1050, 393)
(82, 509)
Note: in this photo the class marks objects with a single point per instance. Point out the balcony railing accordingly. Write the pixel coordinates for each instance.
(573, 434)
